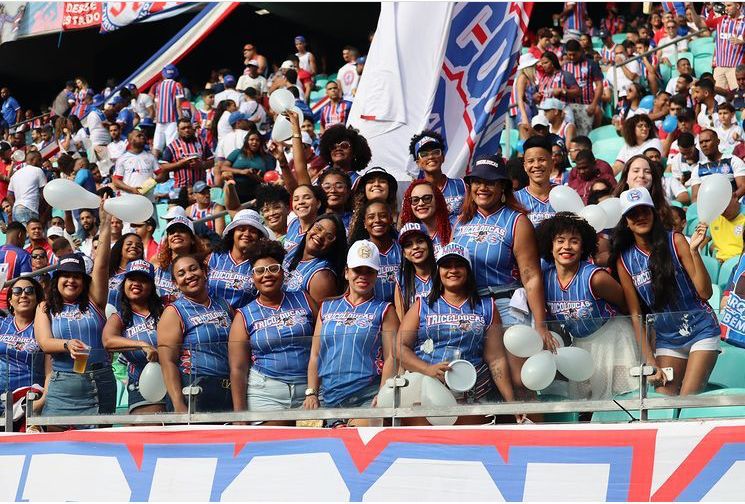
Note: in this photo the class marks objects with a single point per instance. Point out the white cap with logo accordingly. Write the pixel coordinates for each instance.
(635, 197)
(363, 253)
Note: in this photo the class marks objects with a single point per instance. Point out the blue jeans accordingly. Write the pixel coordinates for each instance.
(361, 399)
(23, 215)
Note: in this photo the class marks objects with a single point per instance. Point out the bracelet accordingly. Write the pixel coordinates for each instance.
(67, 349)
(295, 135)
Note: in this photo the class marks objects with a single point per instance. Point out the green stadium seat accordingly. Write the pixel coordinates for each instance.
(665, 72)
(321, 83)
(317, 95)
(122, 398)
(618, 38)
(692, 212)
(621, 416)
(321, 76)
(716, 297)
(726, 270)
(525, 50)
(603, 133)
(712, 266)
(674, 60)
(514, 138)
(608, 149)
(332, 77)
(701, 45)
(216, 195)
(702, 64)
(729, 371)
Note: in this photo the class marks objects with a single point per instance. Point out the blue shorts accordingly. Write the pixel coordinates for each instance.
(360, 399)
(214, 397)
(507, 316)
(268, 394)
(89, 393)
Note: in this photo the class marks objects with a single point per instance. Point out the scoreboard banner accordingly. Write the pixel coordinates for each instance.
(676, 461)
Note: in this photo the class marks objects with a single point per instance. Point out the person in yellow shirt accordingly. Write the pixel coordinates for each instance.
(726, 232)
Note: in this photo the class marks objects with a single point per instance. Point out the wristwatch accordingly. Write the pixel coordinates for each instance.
(296, 136)
(310, 392)
(67, 349)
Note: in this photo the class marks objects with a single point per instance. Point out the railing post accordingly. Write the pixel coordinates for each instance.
(508, 133)
(7, 398)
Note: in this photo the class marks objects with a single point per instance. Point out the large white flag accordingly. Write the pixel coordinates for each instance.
(443, 66)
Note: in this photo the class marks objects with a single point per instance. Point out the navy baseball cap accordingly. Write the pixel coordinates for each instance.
(170, 72)
(71, 263)
(229, 80)
(429, 142)
(410, 228)
(488, 167)
(300, 38)
(140, 267)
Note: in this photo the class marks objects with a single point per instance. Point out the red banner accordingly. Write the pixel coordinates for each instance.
(78, 15)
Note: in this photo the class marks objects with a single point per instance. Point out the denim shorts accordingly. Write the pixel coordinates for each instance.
(268, 394)
(89, 393)
(23, 215)
(509, 318)
(215, 395)
(136, 400)
(360, 399)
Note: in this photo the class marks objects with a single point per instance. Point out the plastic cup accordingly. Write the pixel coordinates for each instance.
(452, 353)
(81, 361)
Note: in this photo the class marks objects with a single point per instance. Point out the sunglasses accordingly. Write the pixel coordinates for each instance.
(38, 256)
(426, 199)
(342, 145)
(17, 291)
(430, 153)
(272, 268)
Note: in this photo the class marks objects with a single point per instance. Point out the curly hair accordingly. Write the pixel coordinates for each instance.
(265, 247)
(165, 255)
(361, 153)
(271, 193)
(357, 229)
(444, 230)
(419, 136)
(154, 304)
(565, 222)
(629, 128)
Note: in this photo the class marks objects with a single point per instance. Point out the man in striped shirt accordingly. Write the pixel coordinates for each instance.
(573, 16)
(586, 72)
(730, 42)
(336, 111)
(167, 94)
(188, 157)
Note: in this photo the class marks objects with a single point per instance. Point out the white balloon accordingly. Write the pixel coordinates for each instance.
(129, 207)
(595, 216)
(411, 393)
(575, 363)
(522, 341)
(558, 340)
(281, 100)
(300, 115)
(152, 387)
(565, 199)
(18, 156)
(64, 194)
(385, 395)
(434, 393)
(714, 195)
(539, 371)
(612, 208)
(282, 130)
(110, 310)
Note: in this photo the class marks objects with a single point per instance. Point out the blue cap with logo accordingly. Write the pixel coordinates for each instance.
(170, 72)
(409, 228)
(140, 267)
(429, 142)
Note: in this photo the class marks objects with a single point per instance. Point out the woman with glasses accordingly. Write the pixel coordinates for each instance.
(423, 203)
(271, 335)
(22, 363)
(639, 134)
(374, 221)
(192, 340)
(308, 202)
(131, 330)
(343, 148)
(316, 265)
(338, 188)
(428, 150)
(229, 275)
(179, 240)
(417, 267)
(127, 249)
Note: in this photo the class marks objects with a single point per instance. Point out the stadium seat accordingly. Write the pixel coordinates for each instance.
(713, 412)
(702, 64)
(216, 195)
(692, 212)
(716, 297)
(514, 137)
(608, 149)
(712, 266)
(597, 43)
(665, 72)
(701, 45)
(674, 60)
(726, 270)
(603, 133)
(332, 77)
(122, 398)
(729, 371)
(321, 76)
(618, 38)
(317, 95)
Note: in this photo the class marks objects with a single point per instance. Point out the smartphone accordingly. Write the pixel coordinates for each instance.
(668, 372)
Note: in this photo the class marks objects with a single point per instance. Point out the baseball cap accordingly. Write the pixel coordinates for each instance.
(71, 263)
(429, 142)
(180, 220)
(453, 250)
(551, 104)
(141, 267)
(488, 167)
(98, 100)
(199, 186)
(527, 60)
(300, 38)
(170, 72)
(363, 253)
(307, 140)
(253, 62)
(635, 197)
(236, 116)
(228, 80)
(410, 228)
(117, 100)
(146, 122)
(55, 231)
(174, 211)
(539, 120)
(247, 217)
(603, 34)
(287, 64)
(377, 171)
(132, 86)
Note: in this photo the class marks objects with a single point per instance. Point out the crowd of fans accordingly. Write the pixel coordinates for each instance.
(278, 275)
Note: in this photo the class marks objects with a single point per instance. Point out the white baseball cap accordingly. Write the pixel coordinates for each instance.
(55, 231)
(527, 60)
(539, 120)
(288, 64)
(180, 220)
(363, 253)
(247, 217)
(635, 197)
(173, 212)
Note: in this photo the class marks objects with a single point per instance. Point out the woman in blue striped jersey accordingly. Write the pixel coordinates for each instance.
(585, 301)
(661, 271)
(352, 350)
(128, 248)
(179, 240)
(273, 335)
(308, 202)
(317, 264)
(193, 340)
(417, 267)
(338, 188)
(455, 317)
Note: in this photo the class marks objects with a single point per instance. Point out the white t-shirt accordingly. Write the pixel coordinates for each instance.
(728, 138)
(673, 188)
(348, 80)
(669, 51)
(679, 166)
(628, 152)
(230, 142)
(229, 94)
(737, 165)
(246, 81)
(99, 134)
(223, 125)
(134, 169)
(25, 185)
(141, 103)
(623, 81)
(116, 149)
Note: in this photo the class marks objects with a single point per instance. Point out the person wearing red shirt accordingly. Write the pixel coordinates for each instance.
(6, 166)
(543, 43)
(145, 232)
(37, 237)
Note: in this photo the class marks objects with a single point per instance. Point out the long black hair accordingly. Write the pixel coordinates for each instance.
(154, 304)
(438, 288)
(56, 303)
(357, 229)
(408, 270)
(660, 258)
(336, 255)
(116, 253)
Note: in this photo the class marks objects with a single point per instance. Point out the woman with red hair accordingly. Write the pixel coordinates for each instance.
(424, 203)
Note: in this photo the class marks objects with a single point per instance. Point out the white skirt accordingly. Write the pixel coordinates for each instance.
(614, 351)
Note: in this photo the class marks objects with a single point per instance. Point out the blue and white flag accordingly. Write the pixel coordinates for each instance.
(452, 74)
